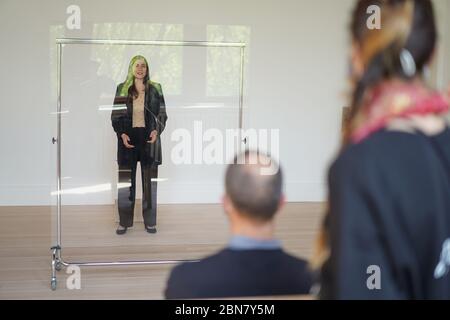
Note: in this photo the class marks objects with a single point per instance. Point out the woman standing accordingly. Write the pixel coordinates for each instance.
(387, 232)
(138, 128)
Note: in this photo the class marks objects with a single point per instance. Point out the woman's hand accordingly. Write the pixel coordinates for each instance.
(126, 139)
(153, 136)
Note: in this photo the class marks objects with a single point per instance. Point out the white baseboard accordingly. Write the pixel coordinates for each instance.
(189, 193)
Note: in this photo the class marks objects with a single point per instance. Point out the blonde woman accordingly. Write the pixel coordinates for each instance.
(138, 128)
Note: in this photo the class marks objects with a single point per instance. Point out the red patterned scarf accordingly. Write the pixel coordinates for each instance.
(391, 100)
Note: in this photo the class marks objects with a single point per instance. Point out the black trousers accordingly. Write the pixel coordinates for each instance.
(127, 177)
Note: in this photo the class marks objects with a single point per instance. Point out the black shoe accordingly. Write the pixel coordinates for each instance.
(121, 231)
(150, 229)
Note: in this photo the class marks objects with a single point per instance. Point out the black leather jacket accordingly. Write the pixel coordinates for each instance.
(155, 119)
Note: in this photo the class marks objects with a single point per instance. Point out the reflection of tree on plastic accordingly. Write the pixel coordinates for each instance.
(98, 86)
(223, 64)
(83, 92)
(93, 94)
(168, 69)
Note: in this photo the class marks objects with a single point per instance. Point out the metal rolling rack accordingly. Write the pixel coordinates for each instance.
(58, 262)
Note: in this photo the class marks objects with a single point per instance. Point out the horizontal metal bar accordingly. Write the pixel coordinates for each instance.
(150, 42)
(125, 263)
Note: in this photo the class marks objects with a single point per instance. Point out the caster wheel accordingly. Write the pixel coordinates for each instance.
(58, 266)
(53, 285)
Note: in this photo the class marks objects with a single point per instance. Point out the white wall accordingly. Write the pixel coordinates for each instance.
(296, 79)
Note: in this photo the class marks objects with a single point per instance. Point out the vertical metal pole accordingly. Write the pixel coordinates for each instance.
(241, 103)
(241, 89)
(58, 163)
(56, 250)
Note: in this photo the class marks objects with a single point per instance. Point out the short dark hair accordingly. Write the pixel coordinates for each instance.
(254, 194)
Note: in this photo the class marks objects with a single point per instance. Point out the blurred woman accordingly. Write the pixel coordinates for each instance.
(387, 231)
(138, 128)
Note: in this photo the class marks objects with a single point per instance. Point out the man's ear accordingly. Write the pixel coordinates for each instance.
(282, 203)
(226, 203)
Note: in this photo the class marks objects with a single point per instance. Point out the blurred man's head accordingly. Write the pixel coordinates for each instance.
(253, 197)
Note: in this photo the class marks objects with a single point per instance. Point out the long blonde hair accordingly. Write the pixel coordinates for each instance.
(129, 81)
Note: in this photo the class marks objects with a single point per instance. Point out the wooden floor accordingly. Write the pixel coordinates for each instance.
(88, 234)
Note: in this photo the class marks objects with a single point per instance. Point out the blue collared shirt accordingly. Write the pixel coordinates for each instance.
(246, 243)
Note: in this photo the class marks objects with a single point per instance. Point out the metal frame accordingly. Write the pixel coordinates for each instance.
(57, 260)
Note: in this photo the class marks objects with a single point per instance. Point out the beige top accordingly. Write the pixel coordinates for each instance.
(138, 112)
